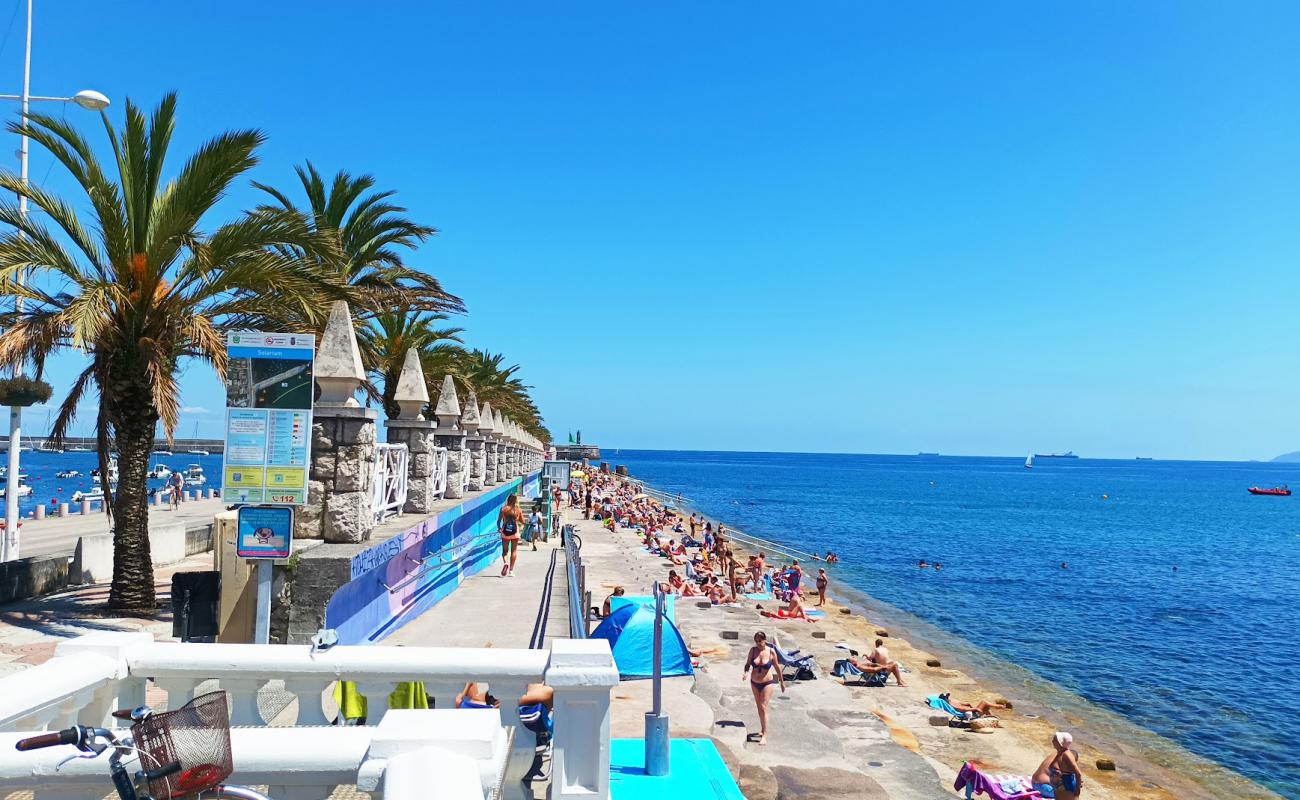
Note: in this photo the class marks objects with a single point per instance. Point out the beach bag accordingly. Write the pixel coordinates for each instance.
(805, 674)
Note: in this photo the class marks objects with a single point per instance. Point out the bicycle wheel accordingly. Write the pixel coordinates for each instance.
(577, 541)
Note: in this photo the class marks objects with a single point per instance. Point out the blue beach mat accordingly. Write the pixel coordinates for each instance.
(696, 771)
(670, 604)
(759, 596)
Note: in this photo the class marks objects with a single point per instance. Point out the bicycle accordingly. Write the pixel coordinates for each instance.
(199, 755)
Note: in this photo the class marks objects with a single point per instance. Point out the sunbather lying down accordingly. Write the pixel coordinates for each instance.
(872, 668)
(983, 708)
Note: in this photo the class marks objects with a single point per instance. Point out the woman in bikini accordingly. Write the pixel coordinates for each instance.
(509, 522)
(762, 672)
(1058, 776)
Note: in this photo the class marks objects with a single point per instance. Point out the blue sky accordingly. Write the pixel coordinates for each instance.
(970, 228)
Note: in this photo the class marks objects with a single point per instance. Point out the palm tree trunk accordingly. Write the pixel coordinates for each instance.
(133, 581)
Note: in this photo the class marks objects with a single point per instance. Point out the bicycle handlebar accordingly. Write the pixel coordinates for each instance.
(66, 736)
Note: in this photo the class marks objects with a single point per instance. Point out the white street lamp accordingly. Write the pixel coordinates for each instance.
(90, 100)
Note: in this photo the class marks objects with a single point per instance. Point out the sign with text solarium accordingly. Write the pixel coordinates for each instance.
(269, 390)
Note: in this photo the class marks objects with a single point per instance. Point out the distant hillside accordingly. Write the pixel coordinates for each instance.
(1289, 456)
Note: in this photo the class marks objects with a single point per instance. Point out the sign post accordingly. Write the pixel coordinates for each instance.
(264, 533)
(269, 391)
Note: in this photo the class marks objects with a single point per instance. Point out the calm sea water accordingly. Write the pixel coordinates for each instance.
(41, 469)
(1178, 610)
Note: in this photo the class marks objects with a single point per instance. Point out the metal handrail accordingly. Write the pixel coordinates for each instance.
(468, 544)
(577, 595)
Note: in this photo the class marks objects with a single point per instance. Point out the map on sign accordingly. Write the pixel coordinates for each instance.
(269, 390)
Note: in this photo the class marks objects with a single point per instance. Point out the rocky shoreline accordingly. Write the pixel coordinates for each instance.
(831, 740)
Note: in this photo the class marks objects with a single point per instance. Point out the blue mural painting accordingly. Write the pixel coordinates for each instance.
(400, 578)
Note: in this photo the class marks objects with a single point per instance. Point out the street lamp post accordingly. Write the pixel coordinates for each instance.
(87, 99)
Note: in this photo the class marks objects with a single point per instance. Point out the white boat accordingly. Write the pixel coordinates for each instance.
(23, 490)
(194, 475)
(78, 449)
(1029, 461)
(46, 447)
(68, 473)
(198, 451)
(159, 472)
(162, 452)
(93, 494)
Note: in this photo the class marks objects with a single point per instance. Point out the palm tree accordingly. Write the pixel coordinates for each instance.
(484, 373)
(143, 287)
(388, 337)
(372, 232)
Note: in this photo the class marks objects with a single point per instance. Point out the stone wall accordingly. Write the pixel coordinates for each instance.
(342, 471)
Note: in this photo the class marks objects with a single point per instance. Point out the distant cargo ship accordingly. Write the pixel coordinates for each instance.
(1066, 454)
(927, 454)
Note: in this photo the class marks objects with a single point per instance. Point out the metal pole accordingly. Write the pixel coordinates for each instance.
(262, 634)
(656, 722)
(11, 544)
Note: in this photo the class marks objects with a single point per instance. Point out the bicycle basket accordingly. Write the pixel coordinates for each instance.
(197, 736)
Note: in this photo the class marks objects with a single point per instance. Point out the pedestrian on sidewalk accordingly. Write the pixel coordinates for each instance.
(533, 530)
(509, 522)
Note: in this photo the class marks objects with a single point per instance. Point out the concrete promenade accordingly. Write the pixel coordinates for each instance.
(58, 535)
(488, 610)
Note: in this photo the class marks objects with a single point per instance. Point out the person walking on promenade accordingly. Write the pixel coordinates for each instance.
(822, 583)
(763, 672)
(533, 530)
(509, 521)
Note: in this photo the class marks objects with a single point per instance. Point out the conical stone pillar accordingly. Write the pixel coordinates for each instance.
(470, 421)
(451, 436)
(413, 430)
(488, 427)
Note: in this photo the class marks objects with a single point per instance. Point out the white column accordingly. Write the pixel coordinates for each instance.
(582, 673)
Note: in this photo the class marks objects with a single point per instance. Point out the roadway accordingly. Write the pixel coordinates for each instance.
(58, 535)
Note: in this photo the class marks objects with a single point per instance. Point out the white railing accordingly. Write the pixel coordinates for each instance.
(464, 471)
(388, 491)
(439, 476)
(296, 751)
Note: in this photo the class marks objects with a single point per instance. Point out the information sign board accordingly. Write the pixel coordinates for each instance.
(264, 532)
(269, 391)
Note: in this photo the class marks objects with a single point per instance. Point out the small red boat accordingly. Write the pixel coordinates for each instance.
(1280, 491)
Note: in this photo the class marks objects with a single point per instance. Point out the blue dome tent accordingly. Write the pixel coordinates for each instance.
(630, 631)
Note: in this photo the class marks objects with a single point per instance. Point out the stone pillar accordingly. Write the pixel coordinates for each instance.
(487, 426)
(451, 435)
(343, 442)
(474, 442)
(413, 430)
(499, 434)
(583, 674)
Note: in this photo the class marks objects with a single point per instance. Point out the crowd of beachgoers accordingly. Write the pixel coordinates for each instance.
(703, 560)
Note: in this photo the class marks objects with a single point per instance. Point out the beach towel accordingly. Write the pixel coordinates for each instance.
(999, 787)
(758, 596)
(844, 669)
(941, 704)
(781, 613)
(352, 704)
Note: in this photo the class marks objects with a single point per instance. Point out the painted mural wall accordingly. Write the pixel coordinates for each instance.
(398, 579)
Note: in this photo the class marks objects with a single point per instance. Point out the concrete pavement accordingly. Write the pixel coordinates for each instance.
(58, 535)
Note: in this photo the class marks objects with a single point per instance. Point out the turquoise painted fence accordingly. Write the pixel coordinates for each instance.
(398, 579)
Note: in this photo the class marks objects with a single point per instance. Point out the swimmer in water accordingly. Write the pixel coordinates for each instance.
(938, 566)
(1064, 565)
(921, 564)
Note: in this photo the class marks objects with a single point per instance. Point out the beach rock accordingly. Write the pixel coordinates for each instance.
(845, 611)
(705, 604)
(883, 634)
(819, 634)
(825, 783)
(933, 662)
(939, 720)
(1106, 765)
(729, 635)
(757, 783)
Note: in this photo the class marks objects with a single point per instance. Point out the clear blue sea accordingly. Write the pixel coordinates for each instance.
(41, 469)
(1204, 654)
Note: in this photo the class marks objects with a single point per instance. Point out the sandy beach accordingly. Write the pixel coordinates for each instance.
(831, 740)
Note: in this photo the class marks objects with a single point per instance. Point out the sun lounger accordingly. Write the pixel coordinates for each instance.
(792, 659)
(998, 787)
(939, 703)
(844, 669)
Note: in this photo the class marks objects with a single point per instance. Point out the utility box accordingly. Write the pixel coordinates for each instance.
(196, 597)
